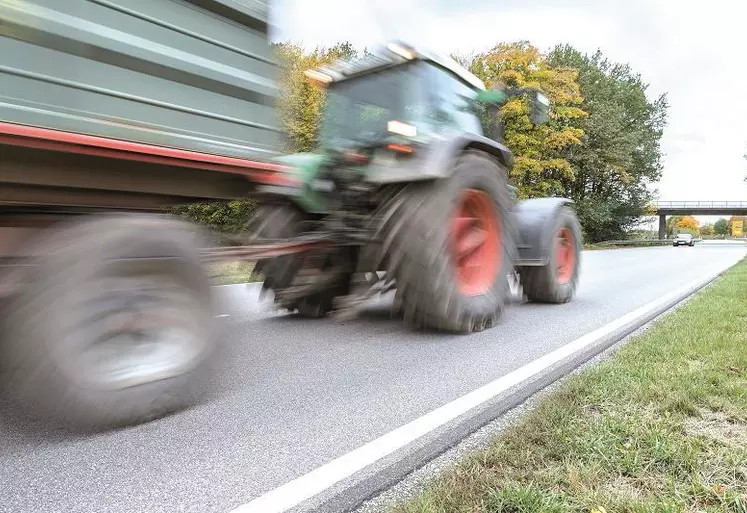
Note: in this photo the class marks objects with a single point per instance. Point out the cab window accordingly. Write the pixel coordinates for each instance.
(450, 101)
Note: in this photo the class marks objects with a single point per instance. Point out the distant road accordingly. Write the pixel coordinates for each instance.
(299, 393)
(725, 242)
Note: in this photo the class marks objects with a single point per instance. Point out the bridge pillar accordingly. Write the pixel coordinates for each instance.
(662, 227)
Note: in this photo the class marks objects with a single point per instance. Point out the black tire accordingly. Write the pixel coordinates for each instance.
(542, 284)
(62, 364)
(417, 251)
(276, 222)
(282, 221)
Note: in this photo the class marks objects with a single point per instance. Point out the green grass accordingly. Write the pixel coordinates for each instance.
(601, 247)
(226, 273)
(631, 244)
(660, 427)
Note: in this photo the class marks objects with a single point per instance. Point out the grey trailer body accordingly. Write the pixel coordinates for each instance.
(196, 75)
(111, 110)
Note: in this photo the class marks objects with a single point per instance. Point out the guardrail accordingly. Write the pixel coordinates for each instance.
(661, 242)
(701, 204)
(639, 242)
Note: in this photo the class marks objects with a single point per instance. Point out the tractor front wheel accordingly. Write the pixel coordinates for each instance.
(282, 221)
(556, 281)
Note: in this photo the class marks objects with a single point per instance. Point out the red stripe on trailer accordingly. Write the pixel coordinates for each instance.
(43, 138)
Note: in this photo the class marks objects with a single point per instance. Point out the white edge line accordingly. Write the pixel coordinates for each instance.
(298, 490)
(247, 285)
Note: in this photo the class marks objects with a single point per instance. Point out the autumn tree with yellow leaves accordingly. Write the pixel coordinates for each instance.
(688, 224)
(541, 167)
(302, 103)
(682, 224)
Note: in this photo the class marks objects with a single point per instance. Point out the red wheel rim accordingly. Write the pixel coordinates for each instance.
(476, 242)
(565, 255)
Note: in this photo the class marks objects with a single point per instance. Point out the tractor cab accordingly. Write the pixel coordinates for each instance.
(398, 115)
(398, 97)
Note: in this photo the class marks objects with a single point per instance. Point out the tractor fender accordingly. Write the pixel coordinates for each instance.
(445, 151)
(309, 195)
(439, 158)
(534, 222)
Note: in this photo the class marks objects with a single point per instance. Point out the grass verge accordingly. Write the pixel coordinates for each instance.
(228, 273)
(632, 244)
(660, 427)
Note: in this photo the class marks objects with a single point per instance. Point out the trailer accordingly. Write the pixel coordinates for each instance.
(112, 111)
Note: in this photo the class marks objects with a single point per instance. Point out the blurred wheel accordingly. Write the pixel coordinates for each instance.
(114, 325)
(450, 246)
(556, 282)
(284, 221)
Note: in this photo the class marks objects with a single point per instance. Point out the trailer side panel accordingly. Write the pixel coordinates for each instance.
(196, 75)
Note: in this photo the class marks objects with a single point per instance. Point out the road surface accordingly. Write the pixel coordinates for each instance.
(299, 393)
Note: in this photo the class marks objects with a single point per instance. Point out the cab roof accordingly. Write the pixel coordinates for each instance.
(395, 52)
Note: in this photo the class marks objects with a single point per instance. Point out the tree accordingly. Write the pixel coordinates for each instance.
(223, 216)
(682, 224)
(721, 227)
(541, 166)
(672, 222)
(301, 103)
(706, 230)
(619, 156)
(688, 224)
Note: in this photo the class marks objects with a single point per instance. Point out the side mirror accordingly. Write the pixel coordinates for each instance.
(540, 108)
(513, 192)
(492, 97)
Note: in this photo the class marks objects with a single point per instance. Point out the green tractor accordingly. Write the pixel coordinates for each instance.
(407, 192)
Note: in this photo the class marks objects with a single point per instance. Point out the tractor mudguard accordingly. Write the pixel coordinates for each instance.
(437, 158)
(443, 153)
(305, 167)
(534, 220)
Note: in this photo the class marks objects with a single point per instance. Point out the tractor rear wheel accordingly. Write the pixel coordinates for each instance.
(450, 246)
(556, 282)
(282, 221)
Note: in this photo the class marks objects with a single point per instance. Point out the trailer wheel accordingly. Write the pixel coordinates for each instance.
(450, 245)
(114, 325)
(556, 282)
(282, 221)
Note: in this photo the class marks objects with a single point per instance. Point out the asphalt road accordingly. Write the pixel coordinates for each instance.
(298, 393)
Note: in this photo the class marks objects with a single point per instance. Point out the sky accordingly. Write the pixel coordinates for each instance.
(693, 51)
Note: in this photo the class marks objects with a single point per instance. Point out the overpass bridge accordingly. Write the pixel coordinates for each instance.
(696, 208)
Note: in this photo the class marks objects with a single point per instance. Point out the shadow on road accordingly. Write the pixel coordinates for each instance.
(19, 428)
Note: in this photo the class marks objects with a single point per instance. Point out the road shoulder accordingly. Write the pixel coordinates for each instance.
(659, 426)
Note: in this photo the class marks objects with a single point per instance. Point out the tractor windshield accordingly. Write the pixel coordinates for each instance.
(358, 109)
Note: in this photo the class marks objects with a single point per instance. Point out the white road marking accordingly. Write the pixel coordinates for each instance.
(307, 486)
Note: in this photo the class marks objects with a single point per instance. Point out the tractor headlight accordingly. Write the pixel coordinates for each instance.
(401, 50)
(403, 129)
(318, 76)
